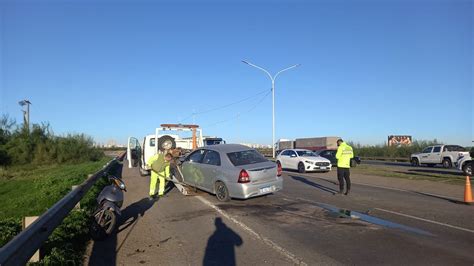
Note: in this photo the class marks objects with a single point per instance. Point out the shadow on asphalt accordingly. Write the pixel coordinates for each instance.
(440, 171)
(220, 246)
(386, 163)
(441, 197)
(310, 183)
(133, 211)
(422, 174)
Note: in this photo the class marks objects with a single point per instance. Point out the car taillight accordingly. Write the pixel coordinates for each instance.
(279, 170)
(244, 177)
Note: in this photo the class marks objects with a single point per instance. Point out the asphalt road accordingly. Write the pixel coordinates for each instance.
(302, 224)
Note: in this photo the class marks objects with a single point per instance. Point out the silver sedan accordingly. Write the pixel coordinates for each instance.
(231, 171)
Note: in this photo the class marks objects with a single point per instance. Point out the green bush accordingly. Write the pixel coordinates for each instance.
(39, 146)
(392, 151)
(9, 228)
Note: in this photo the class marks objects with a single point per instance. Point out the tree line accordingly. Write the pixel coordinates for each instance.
(38, 145)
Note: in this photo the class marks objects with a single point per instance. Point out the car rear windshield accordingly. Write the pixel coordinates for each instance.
(245, 157)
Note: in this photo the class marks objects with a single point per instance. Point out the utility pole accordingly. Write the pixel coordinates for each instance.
(26, 113)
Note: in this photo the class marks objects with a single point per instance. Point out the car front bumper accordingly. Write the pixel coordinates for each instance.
(317, 168)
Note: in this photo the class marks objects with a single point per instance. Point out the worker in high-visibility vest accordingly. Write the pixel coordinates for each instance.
(160, 169)
(344, 155)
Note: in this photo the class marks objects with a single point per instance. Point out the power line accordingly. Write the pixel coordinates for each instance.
(223, 106)
(238, 115)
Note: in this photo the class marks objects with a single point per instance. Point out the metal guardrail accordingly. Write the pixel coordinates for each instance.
(21, 248)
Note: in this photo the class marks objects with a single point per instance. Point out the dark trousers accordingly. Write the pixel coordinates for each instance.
(344, 174)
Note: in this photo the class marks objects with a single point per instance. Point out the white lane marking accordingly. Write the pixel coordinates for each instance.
(428, 221)
(265, 240)
(369, 185)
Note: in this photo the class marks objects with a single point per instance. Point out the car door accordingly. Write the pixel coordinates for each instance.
(425, 154)
(284, 156)
(191, 168)
(293, 160)
(435, 155)
(211, 164)
(134, 152)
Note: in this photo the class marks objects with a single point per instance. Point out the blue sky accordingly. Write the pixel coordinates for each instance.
(369, 69)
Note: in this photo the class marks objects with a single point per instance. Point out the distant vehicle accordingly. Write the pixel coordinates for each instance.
(213, 141)
(303, 161)
(283, 144)
(231, 171)
(438, 154)
(331, 156)
(318, 143)
(465, 164)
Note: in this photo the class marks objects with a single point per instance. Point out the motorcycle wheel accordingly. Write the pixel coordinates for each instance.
(103, 224)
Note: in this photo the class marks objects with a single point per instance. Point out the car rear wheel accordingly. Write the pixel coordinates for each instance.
(415, 162)
(222, 193)
(447, 163)
(301, 168)
(467, 168)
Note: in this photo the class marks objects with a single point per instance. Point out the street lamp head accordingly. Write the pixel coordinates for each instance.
(24, 102)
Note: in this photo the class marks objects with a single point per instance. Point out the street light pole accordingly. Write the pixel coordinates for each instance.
(26, 114)
(272, 78)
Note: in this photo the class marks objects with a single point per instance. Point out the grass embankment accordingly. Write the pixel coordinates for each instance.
(420, 173)
(30, 192)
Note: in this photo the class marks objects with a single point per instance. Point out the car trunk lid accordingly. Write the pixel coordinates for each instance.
(262, 172)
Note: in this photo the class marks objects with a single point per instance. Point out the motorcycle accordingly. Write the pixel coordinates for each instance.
(110, 200)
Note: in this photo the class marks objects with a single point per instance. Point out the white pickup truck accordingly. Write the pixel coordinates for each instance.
(438, 154)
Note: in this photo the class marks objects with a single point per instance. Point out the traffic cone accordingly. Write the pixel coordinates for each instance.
(467, 191)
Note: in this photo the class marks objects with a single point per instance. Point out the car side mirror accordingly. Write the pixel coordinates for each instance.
(293, 155)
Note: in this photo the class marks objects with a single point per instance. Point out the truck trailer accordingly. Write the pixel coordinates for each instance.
(314, 144)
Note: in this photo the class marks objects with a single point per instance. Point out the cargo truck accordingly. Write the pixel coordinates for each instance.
(313, 144)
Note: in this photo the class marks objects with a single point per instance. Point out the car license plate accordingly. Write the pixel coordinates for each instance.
(266, 189)
(323, 168)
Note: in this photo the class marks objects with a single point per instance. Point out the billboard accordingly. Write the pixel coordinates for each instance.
(399, 140)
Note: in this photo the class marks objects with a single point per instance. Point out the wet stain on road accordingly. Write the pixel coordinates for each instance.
(301, 212)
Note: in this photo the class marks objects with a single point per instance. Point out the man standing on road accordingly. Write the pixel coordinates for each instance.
(344, 155)
(160, 169)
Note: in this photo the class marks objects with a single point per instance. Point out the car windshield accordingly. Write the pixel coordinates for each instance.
(245, 157)
(306, 153)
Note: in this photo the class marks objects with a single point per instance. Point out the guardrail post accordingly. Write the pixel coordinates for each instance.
(25, 223)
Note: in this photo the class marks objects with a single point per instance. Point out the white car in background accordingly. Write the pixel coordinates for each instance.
(303, 161)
